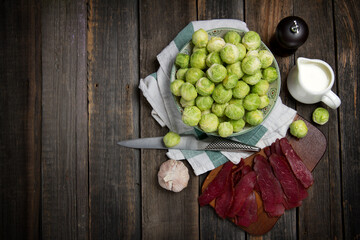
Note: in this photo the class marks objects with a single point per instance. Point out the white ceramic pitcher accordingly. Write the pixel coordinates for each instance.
(310, 81)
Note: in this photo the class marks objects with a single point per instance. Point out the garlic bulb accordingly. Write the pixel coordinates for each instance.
(173, 175)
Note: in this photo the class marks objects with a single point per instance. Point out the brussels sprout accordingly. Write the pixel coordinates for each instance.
(171, 139)
(251, 40)
(234, 112)
(198, 60)
(188, 91)
(266, 58)
(204, 86)
(182, 60)
(270, 74)
(264, 101)
(251, 102)
(200, 38)
(193, 75)
(203, 49)
(235, 68)
(212, 58)
(254, 117)
(215, 44)
(260, 88)
(229, 53)
(221, 94)
(180, 74)
(216, 73)
(232, 37)
(204, 102)
(320, 116)
(252, 79)
(230, 81)
(242, 51)
(225, 129)
(236, 101)
(175, 87)
(298, 129)
(184, 103)
(191, 116)
(209, 122)
(250, 65)
(241, 89)
(219, 109)
(254, 53)
(238, 125)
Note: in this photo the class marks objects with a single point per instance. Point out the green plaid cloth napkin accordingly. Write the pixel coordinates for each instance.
(155, 89)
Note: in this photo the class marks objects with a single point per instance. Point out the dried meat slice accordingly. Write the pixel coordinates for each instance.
(216, 187)
(224, 201)
(267, 151)
(297, 165)
(248, 213)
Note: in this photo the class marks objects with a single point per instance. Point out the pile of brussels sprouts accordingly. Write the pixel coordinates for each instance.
(223, 84)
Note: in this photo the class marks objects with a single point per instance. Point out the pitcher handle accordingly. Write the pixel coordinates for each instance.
(331, 99)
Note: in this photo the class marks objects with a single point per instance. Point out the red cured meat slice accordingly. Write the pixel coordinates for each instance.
(267, 151)
(248, 213)
(270, 189)
(278, 148)
(216, 187)
(242, 190)
(246, 169)
(292, 189)
(224, 201)
(297, 166)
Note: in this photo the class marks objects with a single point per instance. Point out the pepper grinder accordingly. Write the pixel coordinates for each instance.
(290, 34)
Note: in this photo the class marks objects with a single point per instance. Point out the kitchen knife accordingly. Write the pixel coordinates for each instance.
(191, 143)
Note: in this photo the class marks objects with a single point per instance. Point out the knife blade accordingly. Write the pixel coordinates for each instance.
(191, 143)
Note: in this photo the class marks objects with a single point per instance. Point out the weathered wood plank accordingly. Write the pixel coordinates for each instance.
(20, 119)
(64, 122)
(165, 215)
(114, 172)
(347, 18)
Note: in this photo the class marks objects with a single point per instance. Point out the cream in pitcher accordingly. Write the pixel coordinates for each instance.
(310, 81)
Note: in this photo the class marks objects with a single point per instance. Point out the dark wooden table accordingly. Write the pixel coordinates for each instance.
(69, 75)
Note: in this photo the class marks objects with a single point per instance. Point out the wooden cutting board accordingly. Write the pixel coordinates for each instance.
(310, 149)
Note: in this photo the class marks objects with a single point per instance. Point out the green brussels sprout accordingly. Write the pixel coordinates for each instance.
(252, 79)
(229, 53)
(232, 37)
(198, 60)
(212, 58)
(171, 139)
(320, 116)
(215, 44)
(236, 101)
(254, 53)
(260, 88)
(230, 81)
(266, 58)
(238, 125)
(241, 89)
(225, 129)
(182, 60)
(175, 87)
(191, 116)
(203, 49)
(234, 112)
(251, 102)
(204, 86)
(205, 112)
(188, 91)
(180, 74)
(270, 74)
(250, 65)
(298, 129)
(235, 68)
(264, 101)
(204, 102)
(219, 109)
(254, 117)
(221, 94)
(251, 40)
(216, 73)
(209, 122)
(193, 75)
(242, 51)
(184, 103)
(200, 38)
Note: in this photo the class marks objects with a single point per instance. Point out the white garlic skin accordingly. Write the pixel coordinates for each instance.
(173, 175)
